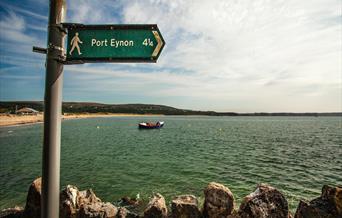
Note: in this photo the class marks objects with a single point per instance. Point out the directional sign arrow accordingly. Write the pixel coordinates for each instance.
(160, 44)
(113, 43)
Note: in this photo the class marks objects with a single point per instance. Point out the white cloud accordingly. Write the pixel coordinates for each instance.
(14, 32)
(92, 12)
(16, 45)
(261, 55)
(12, 22)
(25, 11)
(233, 44)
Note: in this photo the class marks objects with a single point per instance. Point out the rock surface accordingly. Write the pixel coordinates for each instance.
(124, 213)
(128, 201)
(328, 205)
(87, 197)
(264, 202)
(156, 208)
(84, 204)
(219, 201)
(69, 201)
(73, 203)
(32, 207)
(16, 212)
(185, 206)
(97, 210)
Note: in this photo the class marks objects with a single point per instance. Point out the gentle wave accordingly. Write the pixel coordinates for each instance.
(115, 158)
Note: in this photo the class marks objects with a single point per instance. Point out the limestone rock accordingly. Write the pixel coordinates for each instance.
(156, 208)
(32, 207)
(87, 197)
(333, 195)
(264, 202)
(128, 201)
(69, 202)
(328, 205)
(84, 204)
(185, 206)
(16, 212)
(97, 210)
(219, 201)
(124, 213)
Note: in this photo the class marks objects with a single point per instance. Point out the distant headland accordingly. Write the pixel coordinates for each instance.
(138, 109)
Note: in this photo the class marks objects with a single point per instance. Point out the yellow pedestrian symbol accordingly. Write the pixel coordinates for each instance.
(74, 42)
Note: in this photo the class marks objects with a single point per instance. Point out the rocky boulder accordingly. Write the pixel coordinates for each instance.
(84, 204)
(124, 213)
(219, 201)
(32, 207)
(264, 202)
(87, 197)
(128, 201)
(156, 208)
(69, 202)
(328, 205)
(185, 206)
(97, 210)
(16, 212)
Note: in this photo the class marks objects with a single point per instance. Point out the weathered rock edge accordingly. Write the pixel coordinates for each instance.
(328, 205)
(265, 202)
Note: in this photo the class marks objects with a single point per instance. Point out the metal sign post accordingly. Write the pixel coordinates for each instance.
(86, 43)
(52, 111)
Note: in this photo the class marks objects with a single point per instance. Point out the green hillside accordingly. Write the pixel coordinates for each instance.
(89, 107)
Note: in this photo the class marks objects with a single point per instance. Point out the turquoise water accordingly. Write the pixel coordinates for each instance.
(295, 154)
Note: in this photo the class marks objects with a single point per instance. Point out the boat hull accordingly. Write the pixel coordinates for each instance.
(151, 126)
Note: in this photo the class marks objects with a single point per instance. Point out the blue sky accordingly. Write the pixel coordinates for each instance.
(223, 55)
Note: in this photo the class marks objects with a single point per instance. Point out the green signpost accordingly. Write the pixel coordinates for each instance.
(85, 43)
(113, 43)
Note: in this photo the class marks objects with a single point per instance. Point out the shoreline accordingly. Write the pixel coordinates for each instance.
(11, 120)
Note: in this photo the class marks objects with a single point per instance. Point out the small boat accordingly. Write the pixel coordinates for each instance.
(157, 125)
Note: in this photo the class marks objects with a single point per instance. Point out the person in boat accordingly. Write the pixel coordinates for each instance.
(158, 124)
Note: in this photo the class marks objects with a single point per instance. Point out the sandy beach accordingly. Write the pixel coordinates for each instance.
(12, 120)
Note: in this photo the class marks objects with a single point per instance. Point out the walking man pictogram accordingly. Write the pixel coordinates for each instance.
(74, 42)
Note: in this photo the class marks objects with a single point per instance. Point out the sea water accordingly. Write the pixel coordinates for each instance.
(297, 155)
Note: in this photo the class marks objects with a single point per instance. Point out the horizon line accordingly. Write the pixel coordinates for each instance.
(219, 112)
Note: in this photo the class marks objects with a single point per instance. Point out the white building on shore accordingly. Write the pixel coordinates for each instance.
(26, 111)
